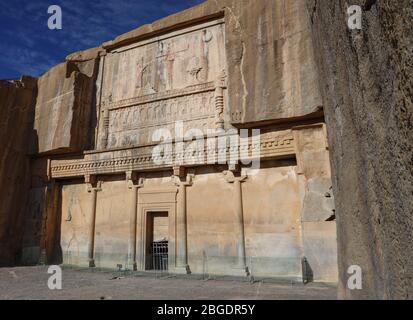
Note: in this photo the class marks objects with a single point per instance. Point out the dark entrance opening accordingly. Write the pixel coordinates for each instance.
(157, 231)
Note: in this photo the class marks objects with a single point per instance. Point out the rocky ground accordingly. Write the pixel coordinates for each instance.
(31, 283)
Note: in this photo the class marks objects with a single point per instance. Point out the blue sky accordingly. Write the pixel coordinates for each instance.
(29, 47)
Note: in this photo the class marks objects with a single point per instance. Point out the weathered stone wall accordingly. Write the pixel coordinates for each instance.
(63, 110)
(366, 77)
(113, 223)
(272, 225)
(76, 205)
(270, 61)
(271, 210)
(17, 101)
(317, 213)
(272, 215)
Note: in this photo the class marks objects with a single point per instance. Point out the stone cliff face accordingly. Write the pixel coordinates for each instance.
(17, 100)
(52, 115)
(63, 110)
(366, 77)
(65, 107)
(64, 122)
(284, 63)
(271, 62)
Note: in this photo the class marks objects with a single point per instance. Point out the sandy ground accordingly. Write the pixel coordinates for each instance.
(31, 283)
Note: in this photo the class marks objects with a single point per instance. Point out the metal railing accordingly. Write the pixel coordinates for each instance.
(159, 253)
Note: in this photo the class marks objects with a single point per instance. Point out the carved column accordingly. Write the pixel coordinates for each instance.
(104, 133)
(134, 184)
(241, 265)
(49, 220)
(93, 186)
(181, 259)
(219, 101)
(99, 100)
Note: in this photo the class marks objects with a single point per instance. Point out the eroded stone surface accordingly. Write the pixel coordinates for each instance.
(366, 78)
(63, 109)
(17, 100)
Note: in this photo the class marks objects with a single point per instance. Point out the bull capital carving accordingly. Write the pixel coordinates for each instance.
(92, 183)
(231, 177)
(133, 180)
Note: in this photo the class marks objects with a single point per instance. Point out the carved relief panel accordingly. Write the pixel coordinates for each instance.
(153, 83)
(173, 61)
(135, 125)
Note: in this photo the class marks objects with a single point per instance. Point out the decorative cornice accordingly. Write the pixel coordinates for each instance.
(272, 145)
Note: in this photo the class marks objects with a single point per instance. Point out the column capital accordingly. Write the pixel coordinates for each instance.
(92, 183)
(103, 53)
(232, 177)
(179, 171)
(221, 79)
(133, 180)
(182, 177)
(179, 181)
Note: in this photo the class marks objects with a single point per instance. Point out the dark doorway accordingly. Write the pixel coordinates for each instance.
(157, 231)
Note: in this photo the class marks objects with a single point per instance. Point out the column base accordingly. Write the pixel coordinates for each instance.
(43, 257)
(132, 266)
(92, 263)
(240, 271)
(182, 270)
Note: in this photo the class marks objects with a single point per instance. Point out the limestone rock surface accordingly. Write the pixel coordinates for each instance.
(367, 85)
(63, 109)
(17, 100)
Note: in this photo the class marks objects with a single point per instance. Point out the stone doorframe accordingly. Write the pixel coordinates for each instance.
(156, 200)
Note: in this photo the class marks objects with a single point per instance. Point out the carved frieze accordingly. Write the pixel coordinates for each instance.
(135, 125)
